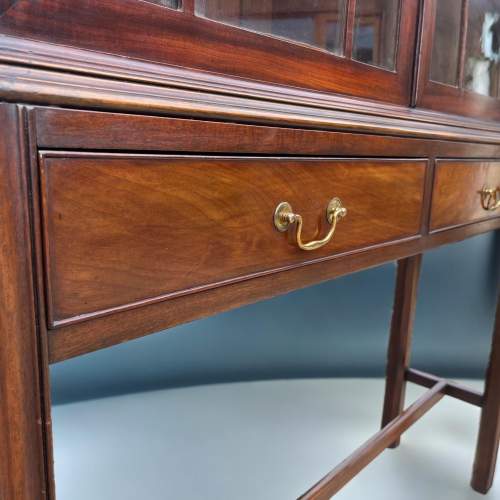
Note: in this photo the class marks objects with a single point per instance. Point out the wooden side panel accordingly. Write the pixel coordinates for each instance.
(457, 187)
(123, 230)
(22, 456)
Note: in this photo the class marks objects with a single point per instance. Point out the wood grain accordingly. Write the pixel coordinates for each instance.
(39, 281)
(38, 55)
(121, 230)
(399, 350)
(22, 419)
(68, 89)
(6, 5)
(106, 247)
(489, 428)
(457, 186)
(453, 389)
(152, 33)
(94, 130)
(87, 336)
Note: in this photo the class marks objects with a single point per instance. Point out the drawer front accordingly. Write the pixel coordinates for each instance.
(458, 187)
(123, 230)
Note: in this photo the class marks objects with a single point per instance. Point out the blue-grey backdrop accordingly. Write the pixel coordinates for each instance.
(338, 328)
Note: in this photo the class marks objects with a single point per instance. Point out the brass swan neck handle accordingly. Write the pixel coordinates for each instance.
(490, 198)
(284, 217)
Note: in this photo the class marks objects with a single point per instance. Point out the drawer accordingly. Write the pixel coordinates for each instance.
(459, 197)
(123, 230)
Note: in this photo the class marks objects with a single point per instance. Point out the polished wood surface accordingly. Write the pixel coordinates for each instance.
(22, 75)
(457, 192)
(489, 428)
(453, 389)
(104, 331)
(73, 129)
(109, 234)
(157, 227)
(113, 93)
(150, 32)
(399, 351)
(23, 423)
(93, 130)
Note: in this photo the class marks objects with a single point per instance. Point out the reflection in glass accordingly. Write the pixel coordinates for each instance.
(482, 50)
(375, 32)
(319, 23)
(446, 46)
(172, 4)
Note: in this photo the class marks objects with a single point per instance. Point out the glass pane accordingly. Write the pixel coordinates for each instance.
(172, 4)
(319, 23)
(446, 44)
(375, 32)
(482, 51)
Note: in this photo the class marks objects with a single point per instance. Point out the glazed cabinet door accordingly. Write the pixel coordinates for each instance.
(361, 48)
(460, 58)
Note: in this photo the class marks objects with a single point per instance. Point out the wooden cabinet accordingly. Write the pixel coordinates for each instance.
(148, 149)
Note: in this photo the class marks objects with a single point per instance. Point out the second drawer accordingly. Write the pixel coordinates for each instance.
(465, 191)
(123, 229)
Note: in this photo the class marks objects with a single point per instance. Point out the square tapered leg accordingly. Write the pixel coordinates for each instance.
(398, 356)
(489, 427)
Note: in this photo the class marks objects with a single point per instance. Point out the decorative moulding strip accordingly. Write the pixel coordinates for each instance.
(34, 85)
(83, 62)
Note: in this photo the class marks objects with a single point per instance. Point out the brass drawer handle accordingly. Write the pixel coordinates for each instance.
(490, 198)
(284, 217)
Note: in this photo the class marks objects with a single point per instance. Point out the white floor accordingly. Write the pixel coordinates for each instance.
(257, 441)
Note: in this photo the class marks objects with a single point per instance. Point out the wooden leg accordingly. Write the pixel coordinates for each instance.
(398, 355)
(489, 427)
(22, 415)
